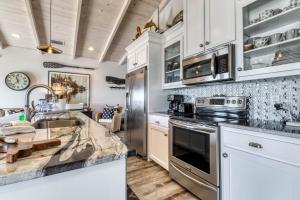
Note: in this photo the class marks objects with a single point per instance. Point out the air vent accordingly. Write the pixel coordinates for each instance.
(58, 42)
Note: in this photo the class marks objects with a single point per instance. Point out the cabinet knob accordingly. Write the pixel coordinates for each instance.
(207, 43)
(225, 155)
(165, 134)
(201, 45)
(255, 145)
(240, 69)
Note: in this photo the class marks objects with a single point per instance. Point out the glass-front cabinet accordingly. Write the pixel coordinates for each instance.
(269, 37)
(172, 57)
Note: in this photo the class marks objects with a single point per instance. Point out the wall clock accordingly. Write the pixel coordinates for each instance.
(17, 81)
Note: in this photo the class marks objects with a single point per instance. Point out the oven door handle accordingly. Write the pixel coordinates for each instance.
(193, 179)
(213, 65)
(202, 130)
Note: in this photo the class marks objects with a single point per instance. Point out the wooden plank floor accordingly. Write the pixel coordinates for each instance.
(149, 181)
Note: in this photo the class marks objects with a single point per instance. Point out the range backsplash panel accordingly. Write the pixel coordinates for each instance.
(263, 94)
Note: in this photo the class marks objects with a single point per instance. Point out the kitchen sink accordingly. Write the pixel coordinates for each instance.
(57, 123)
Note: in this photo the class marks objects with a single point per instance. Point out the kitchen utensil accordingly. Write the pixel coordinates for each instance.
(25, 149)
(261, 41)
(277, 11)
(248, 47)
(277, 37)
(294, 3)
(266, 14)
(291, 34)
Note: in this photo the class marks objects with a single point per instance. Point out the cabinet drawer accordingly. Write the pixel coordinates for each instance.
(159, 120)
(270, 148)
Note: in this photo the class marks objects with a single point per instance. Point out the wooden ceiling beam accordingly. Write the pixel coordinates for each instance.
(32, 22)
(114, 30)
(77, 24)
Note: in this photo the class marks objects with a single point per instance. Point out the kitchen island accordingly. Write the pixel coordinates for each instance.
(89, 164)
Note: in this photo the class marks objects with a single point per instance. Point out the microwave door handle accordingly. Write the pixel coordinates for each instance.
(213, 65)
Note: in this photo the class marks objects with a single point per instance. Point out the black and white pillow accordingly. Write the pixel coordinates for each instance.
(108, 113)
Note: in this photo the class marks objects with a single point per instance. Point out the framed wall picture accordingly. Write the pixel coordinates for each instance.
(74, 88)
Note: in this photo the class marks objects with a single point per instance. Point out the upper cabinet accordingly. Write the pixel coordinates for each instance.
(268, 38)
(138, 53)
(219, 22)
(193, 17)
(207, 24)
(172, 57)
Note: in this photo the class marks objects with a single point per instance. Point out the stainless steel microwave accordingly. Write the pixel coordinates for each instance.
(209, 67)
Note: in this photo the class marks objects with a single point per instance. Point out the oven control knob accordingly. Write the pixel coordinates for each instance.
(233, 101)
(225, 155)
(240, 101)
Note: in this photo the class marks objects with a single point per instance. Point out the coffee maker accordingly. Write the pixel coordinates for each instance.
(174, 102)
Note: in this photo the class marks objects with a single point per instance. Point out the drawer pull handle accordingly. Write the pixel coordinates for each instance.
(157, 122)
(255, 145)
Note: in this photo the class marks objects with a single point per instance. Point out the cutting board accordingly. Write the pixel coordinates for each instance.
(25, 149)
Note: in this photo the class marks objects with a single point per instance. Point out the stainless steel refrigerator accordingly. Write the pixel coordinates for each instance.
(136, 111)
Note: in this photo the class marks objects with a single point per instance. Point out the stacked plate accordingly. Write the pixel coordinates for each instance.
(289, 55)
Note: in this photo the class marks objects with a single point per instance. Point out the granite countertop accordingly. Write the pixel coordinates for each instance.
(268, 127)
(82, 146)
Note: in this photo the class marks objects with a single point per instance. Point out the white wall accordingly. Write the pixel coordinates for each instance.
(30, 62)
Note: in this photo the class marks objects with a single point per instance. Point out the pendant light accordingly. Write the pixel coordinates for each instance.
(49, 48)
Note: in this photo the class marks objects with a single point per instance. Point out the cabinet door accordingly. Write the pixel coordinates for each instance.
(193, 27)
(159, 151)
(141, 56)
(131, 62)
(248, 176)
(219, 22)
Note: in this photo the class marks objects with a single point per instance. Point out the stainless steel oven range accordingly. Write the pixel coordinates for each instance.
(217, 65)
(194, 143)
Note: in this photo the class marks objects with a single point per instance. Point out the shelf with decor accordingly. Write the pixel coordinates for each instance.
(268, 35)
(172, 57)
(276, 21)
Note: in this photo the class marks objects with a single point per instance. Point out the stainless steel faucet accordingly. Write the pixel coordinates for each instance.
(27, 112)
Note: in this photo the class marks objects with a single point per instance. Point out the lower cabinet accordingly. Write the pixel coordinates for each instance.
(158, 145)
(258, 168)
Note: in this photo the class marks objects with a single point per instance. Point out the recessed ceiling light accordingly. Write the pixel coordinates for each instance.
(91, 48)
(15, 35)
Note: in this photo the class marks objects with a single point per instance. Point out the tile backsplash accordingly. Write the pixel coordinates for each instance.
(263, 94)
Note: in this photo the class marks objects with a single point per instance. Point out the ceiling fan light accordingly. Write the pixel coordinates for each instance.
(49, 49)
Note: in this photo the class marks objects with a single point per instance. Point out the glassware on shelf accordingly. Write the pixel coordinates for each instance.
(172, 63)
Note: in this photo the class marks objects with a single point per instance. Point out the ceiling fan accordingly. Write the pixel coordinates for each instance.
(49, 48)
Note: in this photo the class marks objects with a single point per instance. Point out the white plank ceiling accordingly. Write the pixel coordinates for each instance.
(106, 26)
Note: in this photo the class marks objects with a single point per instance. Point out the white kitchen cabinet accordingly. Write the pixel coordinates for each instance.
(208, 24)
(131, 60)
(259, 166)
(273, 59)
(172, 57)
(137, 58)
(219, 22)
(158, 141)
(193, 17)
